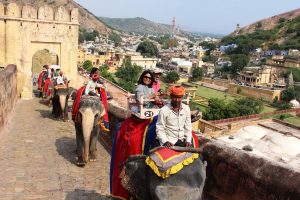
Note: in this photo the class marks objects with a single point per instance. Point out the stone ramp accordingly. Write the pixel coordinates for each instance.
(37, 159)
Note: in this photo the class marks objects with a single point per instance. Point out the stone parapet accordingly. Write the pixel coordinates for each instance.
(8, 94)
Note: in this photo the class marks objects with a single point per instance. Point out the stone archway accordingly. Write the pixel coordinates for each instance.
(24, 30)
(42, 57)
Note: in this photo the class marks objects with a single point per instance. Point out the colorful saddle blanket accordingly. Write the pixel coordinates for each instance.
(165, 162)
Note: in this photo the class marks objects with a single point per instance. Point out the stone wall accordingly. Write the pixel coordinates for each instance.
(258, 93)
(235, 174)
(222, 83)
(8, 94)
(25, 30)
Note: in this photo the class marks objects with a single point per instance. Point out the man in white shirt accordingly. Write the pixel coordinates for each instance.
(90, 88)
(174, 125)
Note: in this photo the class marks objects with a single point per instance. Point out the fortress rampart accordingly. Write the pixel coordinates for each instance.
(25, 29)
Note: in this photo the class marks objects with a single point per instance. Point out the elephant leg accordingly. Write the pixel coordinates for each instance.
(55, 106)
(93, 143)
(79, 142)
(65, 111)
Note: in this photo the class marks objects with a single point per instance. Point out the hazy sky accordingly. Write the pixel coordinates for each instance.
(212, 16)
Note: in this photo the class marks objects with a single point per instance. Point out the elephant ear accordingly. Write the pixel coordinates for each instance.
(133, 177)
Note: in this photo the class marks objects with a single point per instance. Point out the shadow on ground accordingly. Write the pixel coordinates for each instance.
(45, 113)
(79, 194)
(66, 147)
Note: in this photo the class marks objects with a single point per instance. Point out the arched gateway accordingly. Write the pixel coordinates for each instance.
(24, 30)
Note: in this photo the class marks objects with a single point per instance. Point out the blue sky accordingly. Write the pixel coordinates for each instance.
(211, 16)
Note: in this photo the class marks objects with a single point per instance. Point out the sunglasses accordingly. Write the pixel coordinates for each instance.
(148, 77)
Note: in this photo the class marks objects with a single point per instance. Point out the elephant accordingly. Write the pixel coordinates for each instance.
(87, 127)
(60, 102)
(142, 183)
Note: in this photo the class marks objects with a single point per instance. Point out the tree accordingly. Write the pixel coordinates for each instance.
(239, 61)
(171, 77)
(249, 106)
(86, 35)
(220, 109)
(147, 49)
(128, 75)
(105, 74)
(87, 65)
(288, 94)
(208, 45)
(116, 38)
(197, 74)
(296, 74)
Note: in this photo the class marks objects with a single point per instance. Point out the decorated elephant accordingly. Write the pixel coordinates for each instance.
(60, 102)
(184, 181)
(90, 113)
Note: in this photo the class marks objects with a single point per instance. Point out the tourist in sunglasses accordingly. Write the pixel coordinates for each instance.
(144, 87)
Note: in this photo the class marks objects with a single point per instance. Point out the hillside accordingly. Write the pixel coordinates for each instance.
(137, 25)
(277, 32)
(271, 22)
(86, 19)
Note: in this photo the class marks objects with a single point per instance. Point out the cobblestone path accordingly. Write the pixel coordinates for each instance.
(37, 159)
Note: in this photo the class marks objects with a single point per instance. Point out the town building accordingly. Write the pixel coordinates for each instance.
(138, 59)
(255, 75)
(183, 66)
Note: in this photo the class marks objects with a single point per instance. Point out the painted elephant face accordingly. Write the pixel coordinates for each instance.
(143, 183)
(91, 104)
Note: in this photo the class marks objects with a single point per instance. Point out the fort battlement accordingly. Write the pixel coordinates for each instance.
(26, 30)
(13, 11)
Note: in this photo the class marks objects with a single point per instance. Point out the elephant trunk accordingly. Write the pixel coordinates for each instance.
(87, 127)
(62, 102)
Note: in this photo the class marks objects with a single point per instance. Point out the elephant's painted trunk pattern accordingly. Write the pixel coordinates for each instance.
(87, 127)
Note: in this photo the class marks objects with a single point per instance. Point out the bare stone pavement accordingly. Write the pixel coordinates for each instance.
(37, 159)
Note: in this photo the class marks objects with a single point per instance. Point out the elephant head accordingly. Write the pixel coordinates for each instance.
(143, 183)
(91, 110)
(60, 102)
(63, 96)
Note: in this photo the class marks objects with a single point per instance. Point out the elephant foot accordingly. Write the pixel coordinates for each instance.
(80, 162)
(93, 158)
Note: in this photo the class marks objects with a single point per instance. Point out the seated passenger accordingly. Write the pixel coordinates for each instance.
(90, 88)
(156, 84)
(174, 127)
(145, 89)
(61, 79)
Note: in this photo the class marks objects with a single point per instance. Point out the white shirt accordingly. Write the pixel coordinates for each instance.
(91, 86)
(172, 126)
(60, 80)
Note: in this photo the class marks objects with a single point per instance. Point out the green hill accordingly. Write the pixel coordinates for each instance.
(137, 25)
(280, 32)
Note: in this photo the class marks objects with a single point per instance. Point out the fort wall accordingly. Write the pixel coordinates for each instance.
(8, 83)
(258, 93)
(24, 30)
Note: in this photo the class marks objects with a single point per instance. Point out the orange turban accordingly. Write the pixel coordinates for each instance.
(177, 90)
